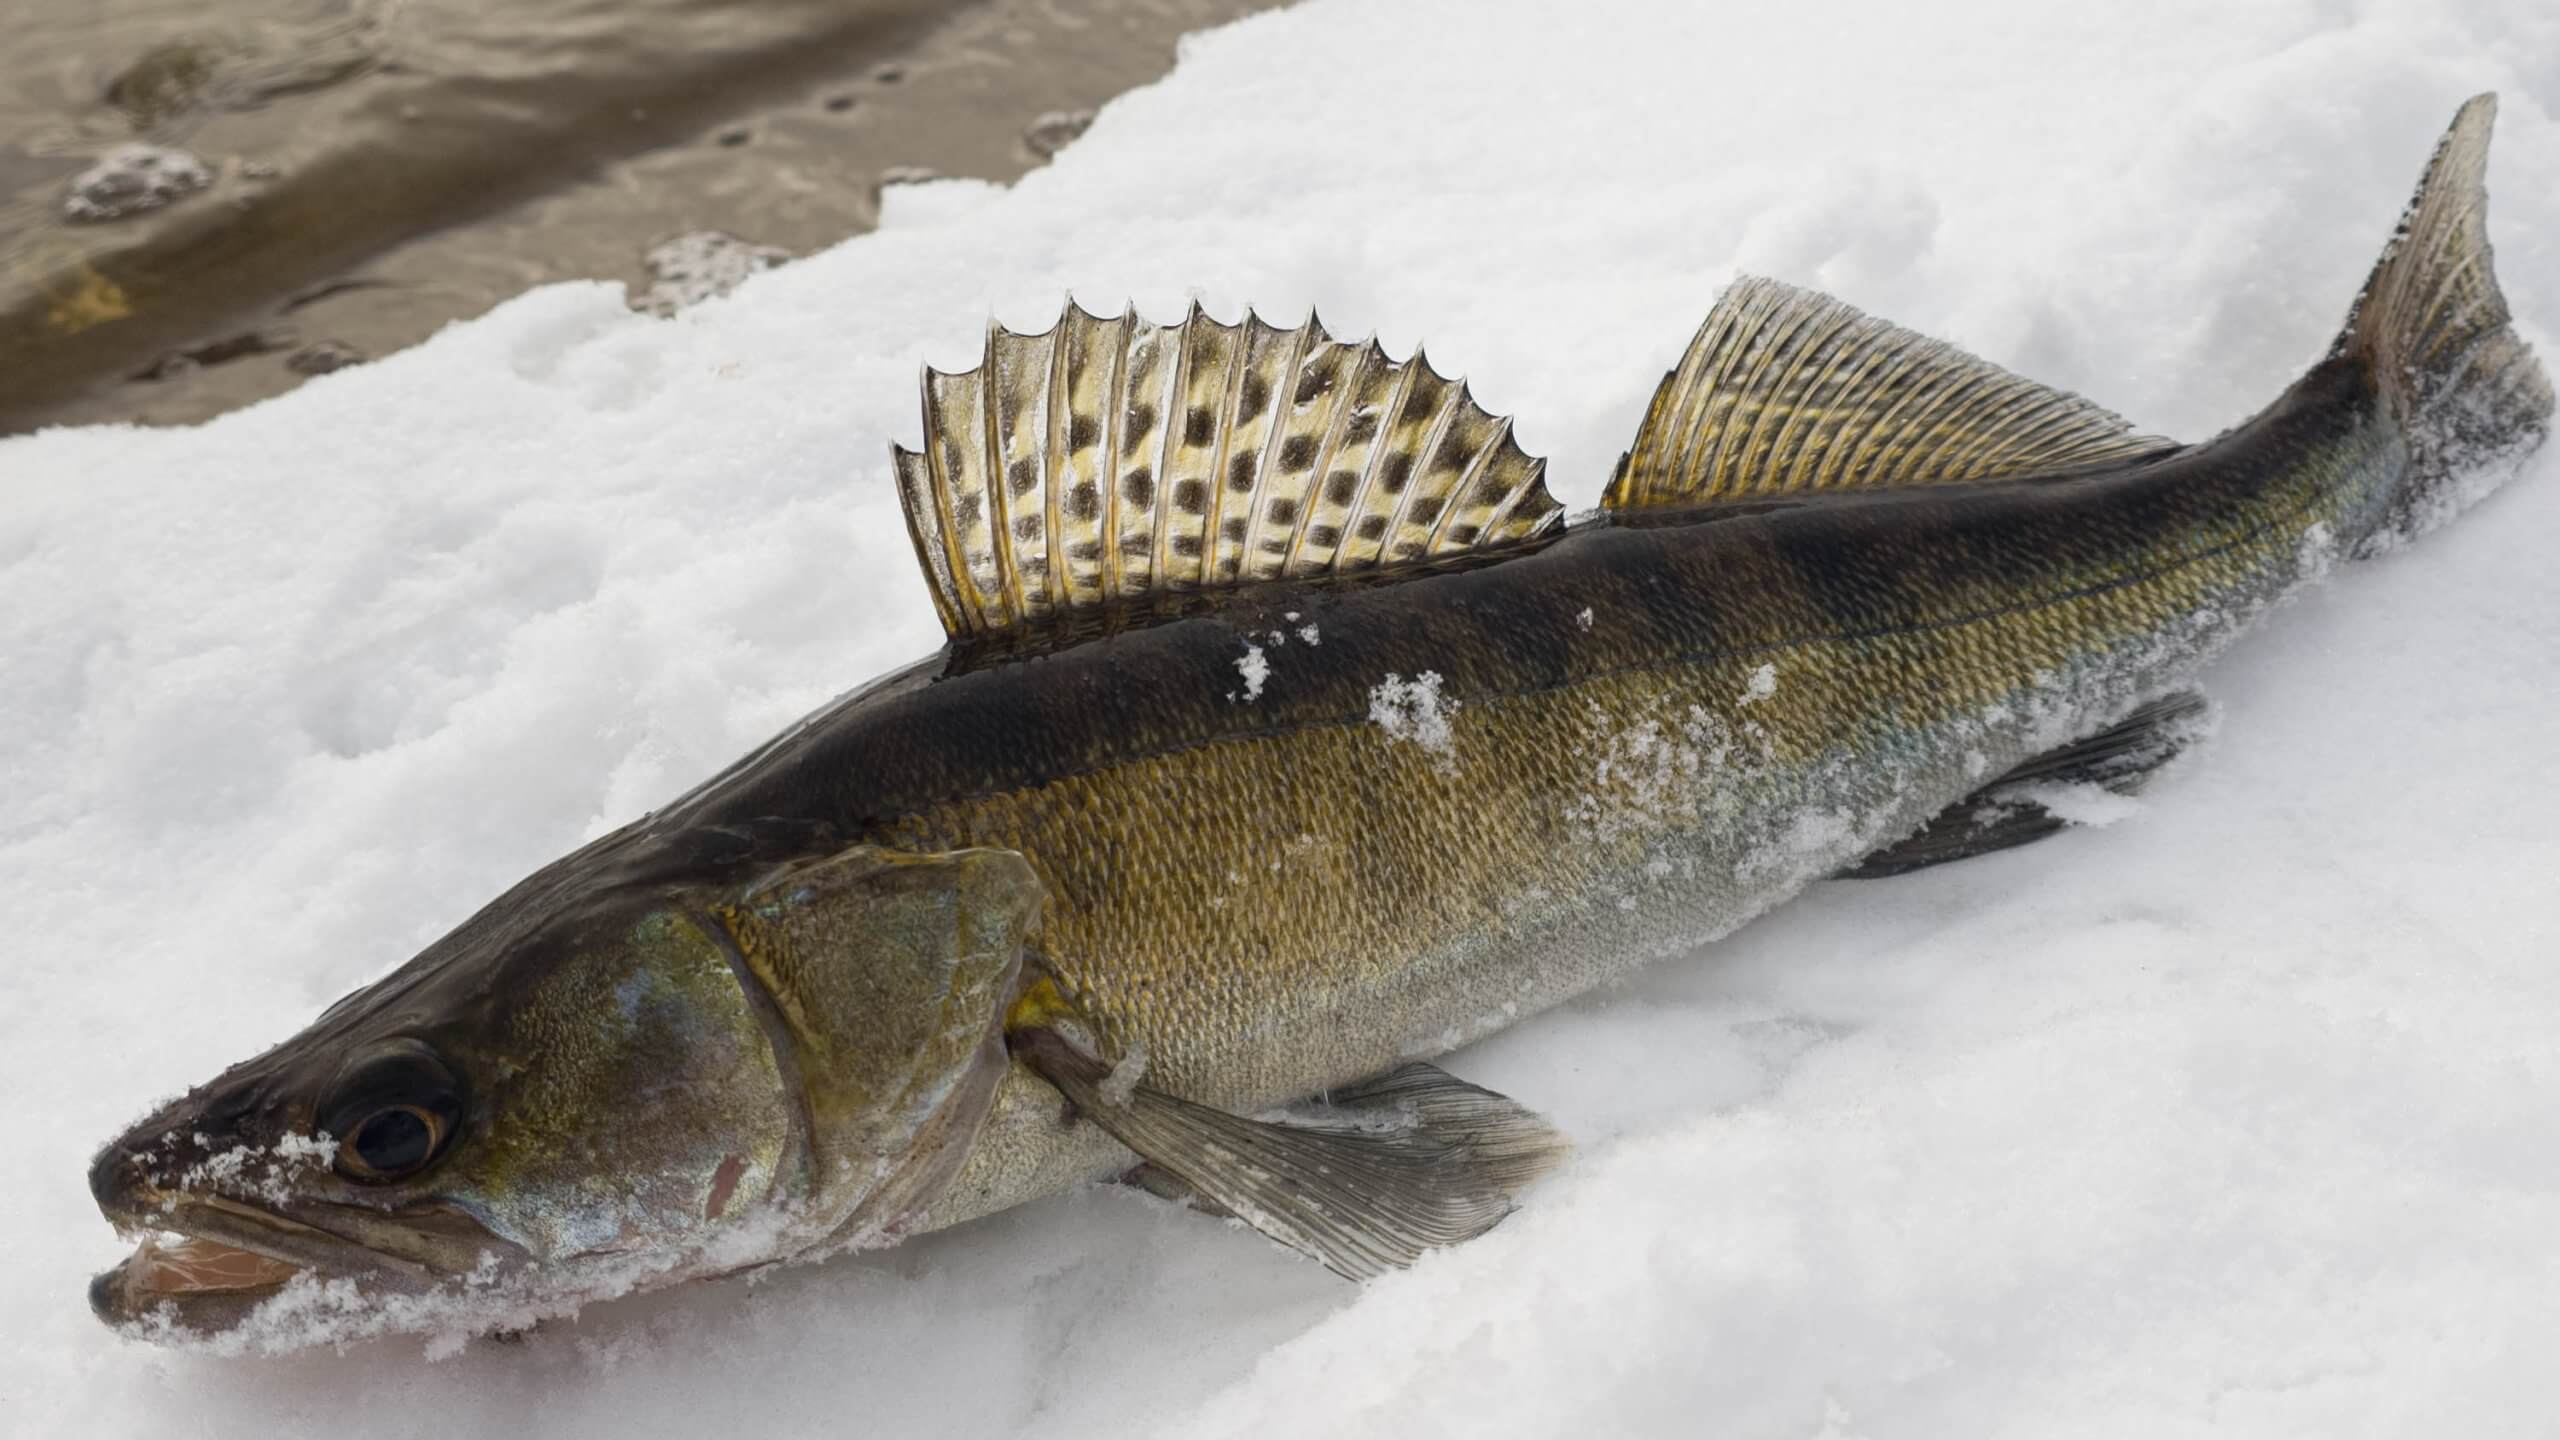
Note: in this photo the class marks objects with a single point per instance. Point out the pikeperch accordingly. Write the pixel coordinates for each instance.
(1286, 737)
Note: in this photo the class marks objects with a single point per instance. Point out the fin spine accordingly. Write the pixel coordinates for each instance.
(964, 585)
(1378, 451)
(1196, 456)
(1053, 475)
(1115, 408)
(999, 509)
(1452, 395)
(1257, 518)
(1338, 425)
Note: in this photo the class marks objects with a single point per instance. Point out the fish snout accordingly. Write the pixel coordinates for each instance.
(119, 1179)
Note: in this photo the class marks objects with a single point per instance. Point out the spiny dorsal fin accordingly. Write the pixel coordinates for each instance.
(1108, 460)
(1787, 390)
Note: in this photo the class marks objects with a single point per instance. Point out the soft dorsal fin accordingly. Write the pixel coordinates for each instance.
(1787, 390)
(1108, 460)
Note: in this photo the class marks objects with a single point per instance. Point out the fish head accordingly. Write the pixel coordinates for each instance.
(590, 1088)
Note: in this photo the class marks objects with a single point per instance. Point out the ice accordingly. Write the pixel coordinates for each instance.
(2238, 1115)
(1055, 130)
(699, 264)
(131, 179)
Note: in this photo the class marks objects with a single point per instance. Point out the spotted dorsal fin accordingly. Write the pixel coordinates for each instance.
(1787, 390)
(1112, 460)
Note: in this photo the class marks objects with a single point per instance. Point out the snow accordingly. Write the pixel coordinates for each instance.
(1413, 712)
(2080, 802)
(1763, 684)
(2238, 1115)
(1122, 1082)
(1255, 667)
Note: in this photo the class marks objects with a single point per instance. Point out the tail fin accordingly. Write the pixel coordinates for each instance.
(2433, 330)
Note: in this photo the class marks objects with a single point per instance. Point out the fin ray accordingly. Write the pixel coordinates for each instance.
(2004, 814)
(1407, 1163)
(1784, 390)
(1105, 461)
(2438, 337)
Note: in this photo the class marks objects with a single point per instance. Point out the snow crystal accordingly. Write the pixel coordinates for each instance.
(1125, 1076)
(1412, 710)
(1762, 685)
(1643, 776)
(264, 1172)
(1255, 667)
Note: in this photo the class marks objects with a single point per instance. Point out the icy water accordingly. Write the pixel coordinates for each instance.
(372, 169)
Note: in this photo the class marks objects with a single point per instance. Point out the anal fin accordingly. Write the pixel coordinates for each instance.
(2004, 814)
(1411, 1161)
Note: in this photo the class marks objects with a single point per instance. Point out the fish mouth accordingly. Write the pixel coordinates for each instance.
(196, 1284)
(206, 1262)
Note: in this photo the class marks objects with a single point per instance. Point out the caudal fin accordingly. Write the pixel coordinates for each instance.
(2434, 331)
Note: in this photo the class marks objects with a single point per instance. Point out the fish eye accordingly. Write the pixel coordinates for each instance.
(391, 1112)
(391, 1143)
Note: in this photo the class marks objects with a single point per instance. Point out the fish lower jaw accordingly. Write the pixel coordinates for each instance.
(203, 1262)
(198, 1284)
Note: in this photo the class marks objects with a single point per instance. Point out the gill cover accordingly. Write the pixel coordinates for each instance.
(885, 976)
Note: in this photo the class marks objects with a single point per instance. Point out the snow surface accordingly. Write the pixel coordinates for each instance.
(2240, 1115)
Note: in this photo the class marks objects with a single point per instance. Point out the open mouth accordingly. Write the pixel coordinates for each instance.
(197, 1282)
(207, 1284)
(218, 1259)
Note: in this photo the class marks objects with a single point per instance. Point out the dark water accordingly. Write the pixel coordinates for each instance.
(375, 168)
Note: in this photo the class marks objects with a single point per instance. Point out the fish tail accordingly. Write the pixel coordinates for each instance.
(2433, 335)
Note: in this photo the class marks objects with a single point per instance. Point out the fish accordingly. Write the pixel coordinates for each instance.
(1287, 736)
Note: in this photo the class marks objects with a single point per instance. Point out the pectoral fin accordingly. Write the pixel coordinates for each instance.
(1411, 1161)
(2006, 813)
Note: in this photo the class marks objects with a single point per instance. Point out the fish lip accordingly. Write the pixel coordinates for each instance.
(119, 1297)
